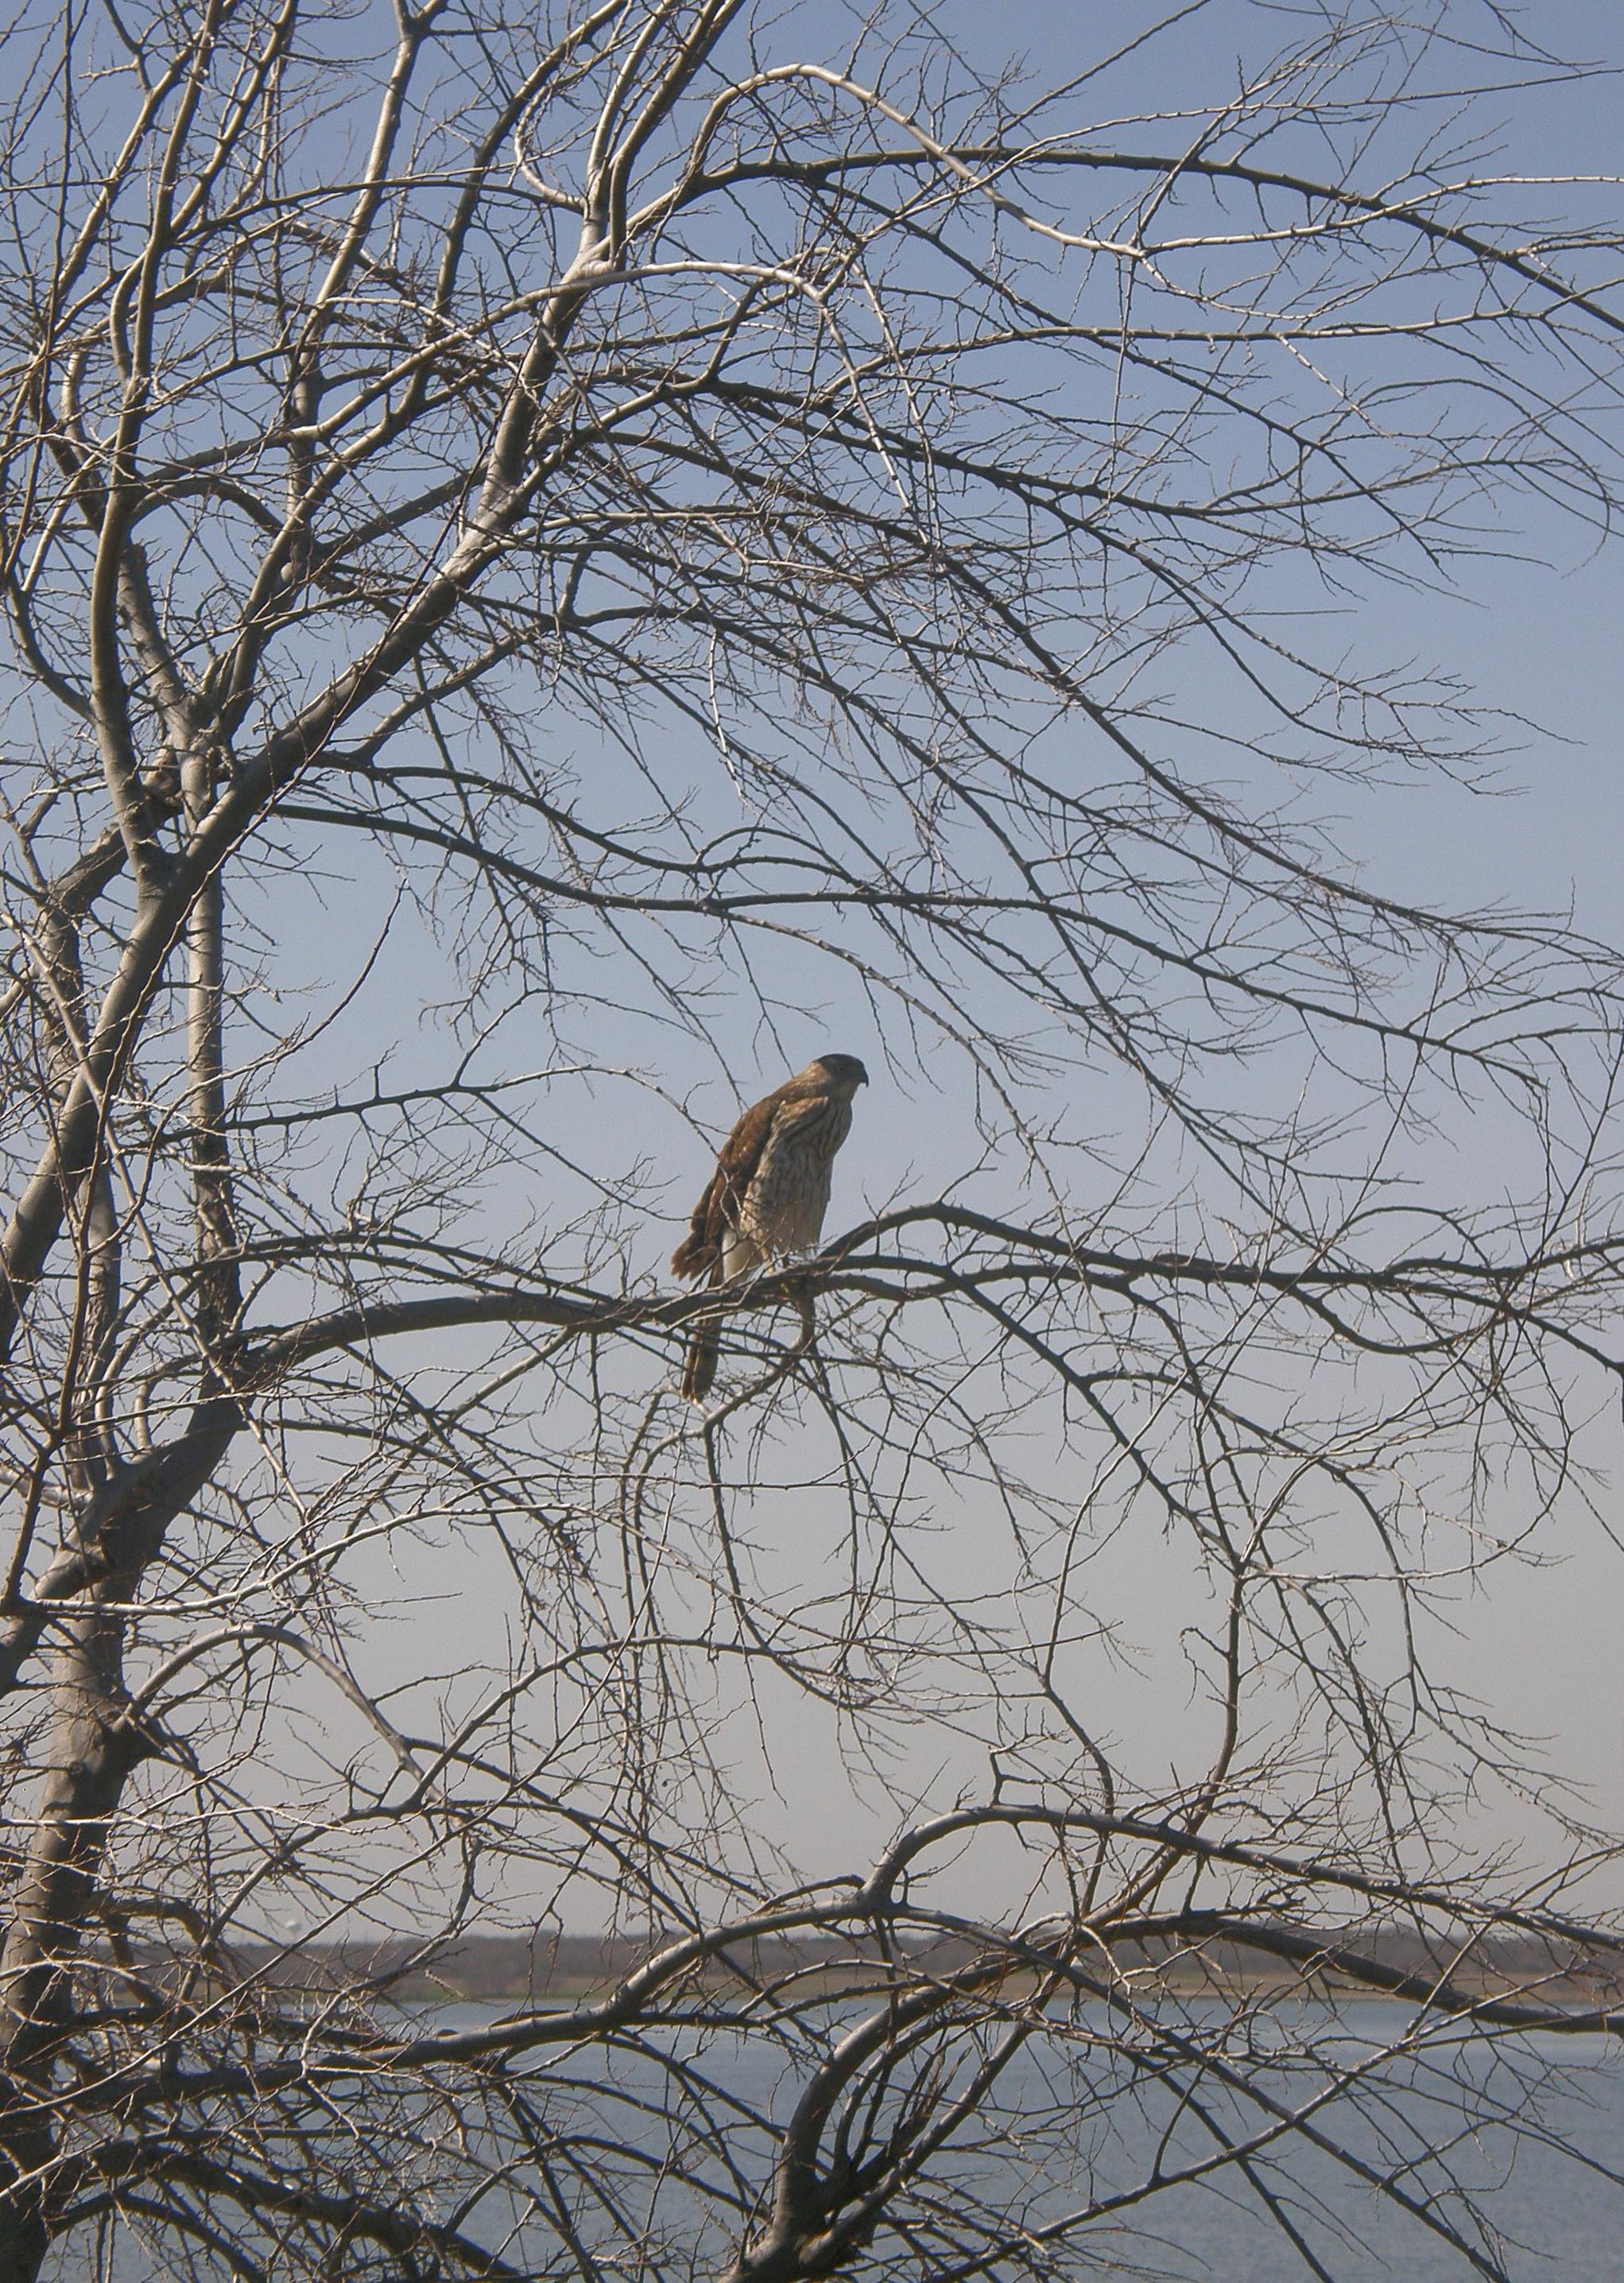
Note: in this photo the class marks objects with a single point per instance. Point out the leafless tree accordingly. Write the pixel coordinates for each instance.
(540, 547)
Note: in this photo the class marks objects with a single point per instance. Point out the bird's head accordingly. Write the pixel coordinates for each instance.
(844, 1072)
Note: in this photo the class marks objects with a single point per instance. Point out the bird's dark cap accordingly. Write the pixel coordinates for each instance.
(844, 1069)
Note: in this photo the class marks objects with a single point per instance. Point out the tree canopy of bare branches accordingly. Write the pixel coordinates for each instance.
(556, 561)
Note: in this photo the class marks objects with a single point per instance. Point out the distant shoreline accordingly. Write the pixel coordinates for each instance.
(549, 1969)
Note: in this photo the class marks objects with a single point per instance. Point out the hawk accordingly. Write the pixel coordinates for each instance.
(769, 1191)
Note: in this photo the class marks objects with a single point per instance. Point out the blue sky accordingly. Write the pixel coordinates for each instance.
(1533, 632)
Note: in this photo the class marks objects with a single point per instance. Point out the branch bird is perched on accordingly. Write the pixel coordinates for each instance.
(769, 1191)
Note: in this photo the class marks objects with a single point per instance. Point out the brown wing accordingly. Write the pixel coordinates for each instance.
(717, 1211)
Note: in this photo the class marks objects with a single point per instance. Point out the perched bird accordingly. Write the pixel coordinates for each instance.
(769, 1191)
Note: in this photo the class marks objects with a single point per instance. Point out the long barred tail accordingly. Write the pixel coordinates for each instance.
(703, 1346)
(699, 1364)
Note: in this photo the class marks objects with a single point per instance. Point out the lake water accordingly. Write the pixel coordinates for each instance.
(1553, 2194)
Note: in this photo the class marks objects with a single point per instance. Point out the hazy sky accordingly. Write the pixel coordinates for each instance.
(1538, 638)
